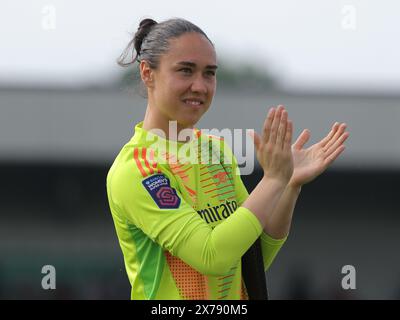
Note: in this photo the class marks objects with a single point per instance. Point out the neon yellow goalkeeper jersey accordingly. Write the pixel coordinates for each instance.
(177, 212)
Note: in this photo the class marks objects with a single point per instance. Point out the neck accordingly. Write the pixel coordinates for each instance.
(171, 128)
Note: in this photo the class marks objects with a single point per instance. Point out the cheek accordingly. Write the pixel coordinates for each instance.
(181, 83)
(174, 86)
(165, 93)
(212, 86)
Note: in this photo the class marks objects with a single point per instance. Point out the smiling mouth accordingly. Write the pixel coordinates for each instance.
(193, 103)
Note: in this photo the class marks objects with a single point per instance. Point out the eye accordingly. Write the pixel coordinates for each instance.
(186, 70)
(210, 73)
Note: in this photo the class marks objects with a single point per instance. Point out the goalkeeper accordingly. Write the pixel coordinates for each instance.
(184, 226)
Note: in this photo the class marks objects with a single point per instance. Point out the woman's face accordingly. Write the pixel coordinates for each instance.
(184, 82)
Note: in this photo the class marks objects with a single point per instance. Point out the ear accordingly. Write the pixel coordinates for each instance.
(146, 73)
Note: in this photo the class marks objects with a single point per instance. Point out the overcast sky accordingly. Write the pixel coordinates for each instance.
(307, 44)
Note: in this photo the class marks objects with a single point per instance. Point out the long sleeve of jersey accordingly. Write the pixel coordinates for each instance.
(155, 205)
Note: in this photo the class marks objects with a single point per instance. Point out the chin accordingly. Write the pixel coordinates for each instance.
(189, 120)
(188, 123)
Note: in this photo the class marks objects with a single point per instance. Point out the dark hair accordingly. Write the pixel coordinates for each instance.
(151, 40)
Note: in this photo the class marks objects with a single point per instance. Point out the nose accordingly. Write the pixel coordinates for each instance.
(199, 85)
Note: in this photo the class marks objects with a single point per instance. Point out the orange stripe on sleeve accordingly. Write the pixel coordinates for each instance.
(139, 165)
(154, 163)
(147, 164)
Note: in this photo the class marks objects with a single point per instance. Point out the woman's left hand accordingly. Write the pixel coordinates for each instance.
(311, 162)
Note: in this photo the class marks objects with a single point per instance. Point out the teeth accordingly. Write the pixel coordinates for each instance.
(195, 103)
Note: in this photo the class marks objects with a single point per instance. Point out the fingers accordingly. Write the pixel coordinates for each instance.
(334, 155)
(288, 137)
(275, 125)
(337, 135)
(337, 144)
(302, 139)
(280, 139)
(277, 128)
(267, 125)
(335, 127)
(330, 135)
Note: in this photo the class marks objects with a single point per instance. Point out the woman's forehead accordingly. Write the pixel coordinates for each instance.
(191, 47)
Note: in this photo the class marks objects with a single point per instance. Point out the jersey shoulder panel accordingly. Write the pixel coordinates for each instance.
(133, 167)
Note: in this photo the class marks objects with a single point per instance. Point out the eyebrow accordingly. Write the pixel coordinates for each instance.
(193, 65)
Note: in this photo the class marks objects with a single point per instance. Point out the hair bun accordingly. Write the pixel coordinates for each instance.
(143, 30)
(145, 23)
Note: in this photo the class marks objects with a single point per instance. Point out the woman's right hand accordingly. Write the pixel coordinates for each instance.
(273, 149)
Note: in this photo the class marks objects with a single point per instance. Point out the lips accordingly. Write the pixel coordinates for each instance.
(193, 102)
